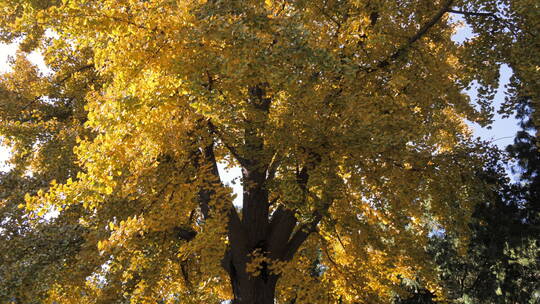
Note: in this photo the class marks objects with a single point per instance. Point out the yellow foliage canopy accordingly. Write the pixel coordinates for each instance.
(346, 118)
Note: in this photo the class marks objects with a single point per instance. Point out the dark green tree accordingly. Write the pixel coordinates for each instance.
(502, 263)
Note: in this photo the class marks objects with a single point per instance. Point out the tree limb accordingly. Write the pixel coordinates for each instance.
(468, 14)
(243, 161)
(421, 32)
(300, 236)
(80, 69)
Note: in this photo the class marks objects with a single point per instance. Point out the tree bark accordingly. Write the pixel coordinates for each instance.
(257, 230)
(253, 290)
(247, 288)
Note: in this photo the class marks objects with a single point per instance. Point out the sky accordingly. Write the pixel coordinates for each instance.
(6, 51)
(501, 132)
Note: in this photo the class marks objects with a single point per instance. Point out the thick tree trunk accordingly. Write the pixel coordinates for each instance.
(250, 289)
(247, 288)
(272, 236)
(257, 231)
(255, 290)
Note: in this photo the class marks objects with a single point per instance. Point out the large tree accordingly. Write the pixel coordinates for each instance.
(346, 118)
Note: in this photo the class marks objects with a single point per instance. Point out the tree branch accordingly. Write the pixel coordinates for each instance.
(31, 102)
(273, 166)
(243, 162)
(59, 82)
(468, 14)
(80, 69)
(511, 27)
(300, 236)
(185, 234)
(404, 48)
(281, 226)
(205, 194)
(305, 229)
